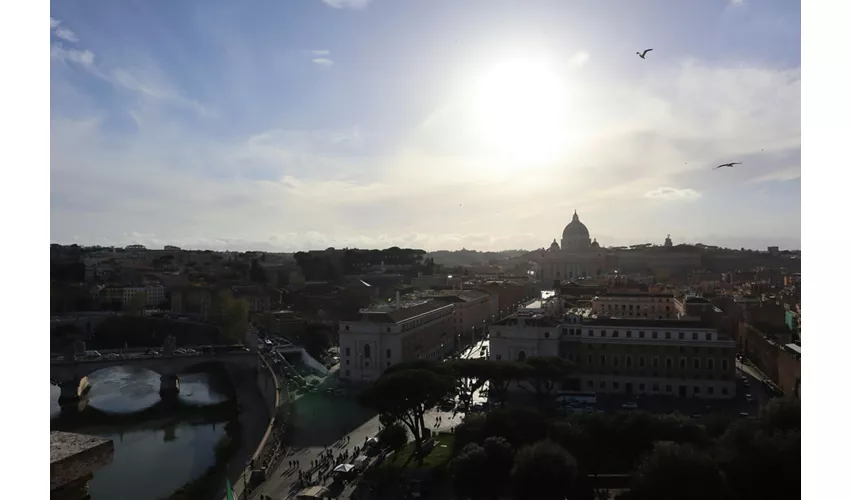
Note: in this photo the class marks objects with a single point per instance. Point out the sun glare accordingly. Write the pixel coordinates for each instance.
(519, 111)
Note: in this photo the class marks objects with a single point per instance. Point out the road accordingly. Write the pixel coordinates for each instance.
(322, 421)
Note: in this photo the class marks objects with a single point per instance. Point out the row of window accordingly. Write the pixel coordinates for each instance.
(668, 362)
(367, 352)
(631, 307)
(656, 387)
(639, 334)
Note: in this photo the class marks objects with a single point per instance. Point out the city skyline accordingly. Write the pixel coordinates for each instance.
(310, 124)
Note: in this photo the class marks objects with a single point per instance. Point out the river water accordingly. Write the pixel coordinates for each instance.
(151, 459)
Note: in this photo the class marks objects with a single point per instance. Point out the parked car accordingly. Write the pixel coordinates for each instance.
(630, 405)
(113, 355)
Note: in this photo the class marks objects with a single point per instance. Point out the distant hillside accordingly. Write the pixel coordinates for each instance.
(465, 257)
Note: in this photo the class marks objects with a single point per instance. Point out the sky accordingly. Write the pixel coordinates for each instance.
(283, 125)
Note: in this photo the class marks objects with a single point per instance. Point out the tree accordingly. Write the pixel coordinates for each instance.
(469, 472)
(501, 374)
(543, 471)
(393, 436)
(405, 395)
(500, 460)
(674, 471)
(231, 315)
(470, 375)
(544, 374)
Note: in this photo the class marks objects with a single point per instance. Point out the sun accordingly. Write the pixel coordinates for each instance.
(519, 111)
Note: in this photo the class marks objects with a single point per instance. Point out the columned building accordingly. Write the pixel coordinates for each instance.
(576, 257)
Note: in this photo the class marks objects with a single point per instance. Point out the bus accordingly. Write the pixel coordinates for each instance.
(587, 398)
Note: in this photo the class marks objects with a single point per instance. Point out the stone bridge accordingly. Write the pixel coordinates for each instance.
(68, 375)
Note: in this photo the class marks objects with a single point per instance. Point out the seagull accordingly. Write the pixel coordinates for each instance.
(643, 55)
(730, 165)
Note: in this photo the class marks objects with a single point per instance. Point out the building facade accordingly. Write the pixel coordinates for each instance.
(625, 355)
(392, 333)
(642, 305)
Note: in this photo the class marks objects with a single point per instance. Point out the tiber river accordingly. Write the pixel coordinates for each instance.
(152, 459)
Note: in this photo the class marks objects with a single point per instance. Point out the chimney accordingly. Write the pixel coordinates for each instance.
(397, 298)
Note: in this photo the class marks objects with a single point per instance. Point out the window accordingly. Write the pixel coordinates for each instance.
(682, 363)
(628, 361)
(669, 388)
(616, 385)
(348, 351)
(696, 389)
(603, 333)
(641, 334)
(655, 362)
(724, 364)
(546, 335)
(498, 357)
(590, 384)
(347, 361)
(696, 363)
(347, 373)
(655, 387)
(655, 335)
(367, 351)
(602, 384)
(681, 335)
(347, 328)
(669, 363)
(602, 360)
(667, 335)
(709, 363)
(389, 353)
(641, 361)
(389, 329)
(641, 387)
(710, 390)
(694, 336)
(707, 336)
(616, 334)
(590, 333)
(616, 360)
(724, 391)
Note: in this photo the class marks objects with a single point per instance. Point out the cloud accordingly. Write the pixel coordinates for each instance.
(84, 58)
(320, 52)
(347, 4)
(54, 23)
(579, 59)
(323, 62)
(673, 194)
(66, 34)
(736, 2)
(280, 187)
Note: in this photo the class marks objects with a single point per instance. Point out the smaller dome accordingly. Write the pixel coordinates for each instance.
(554, 246)
(594, 244)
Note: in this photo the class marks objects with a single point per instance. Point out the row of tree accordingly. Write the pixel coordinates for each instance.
(407, 390)
(667, 457)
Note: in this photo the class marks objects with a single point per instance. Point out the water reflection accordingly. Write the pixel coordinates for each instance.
(151, 463)
(152, 459)
(129, 389)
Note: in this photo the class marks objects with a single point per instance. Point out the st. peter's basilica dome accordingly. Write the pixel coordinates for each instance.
(575, 236)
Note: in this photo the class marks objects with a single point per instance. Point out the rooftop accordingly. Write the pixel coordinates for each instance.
(638, 294)
(398, 312)
(539, 320)
(644, 323)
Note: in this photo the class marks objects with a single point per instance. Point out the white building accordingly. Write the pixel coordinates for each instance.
(683, 358)
(392, 333)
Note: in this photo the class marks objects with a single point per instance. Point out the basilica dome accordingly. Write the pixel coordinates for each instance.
(575, 235)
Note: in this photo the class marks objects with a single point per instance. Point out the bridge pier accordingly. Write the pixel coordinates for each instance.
(69, 395)
(169, 387)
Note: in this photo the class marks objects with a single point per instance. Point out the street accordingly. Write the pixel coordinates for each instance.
(336, 422)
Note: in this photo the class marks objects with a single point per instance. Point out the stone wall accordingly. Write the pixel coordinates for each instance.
(75, 456)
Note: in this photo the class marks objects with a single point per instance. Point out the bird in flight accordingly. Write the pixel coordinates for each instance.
(730, 165)
(643, 55)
